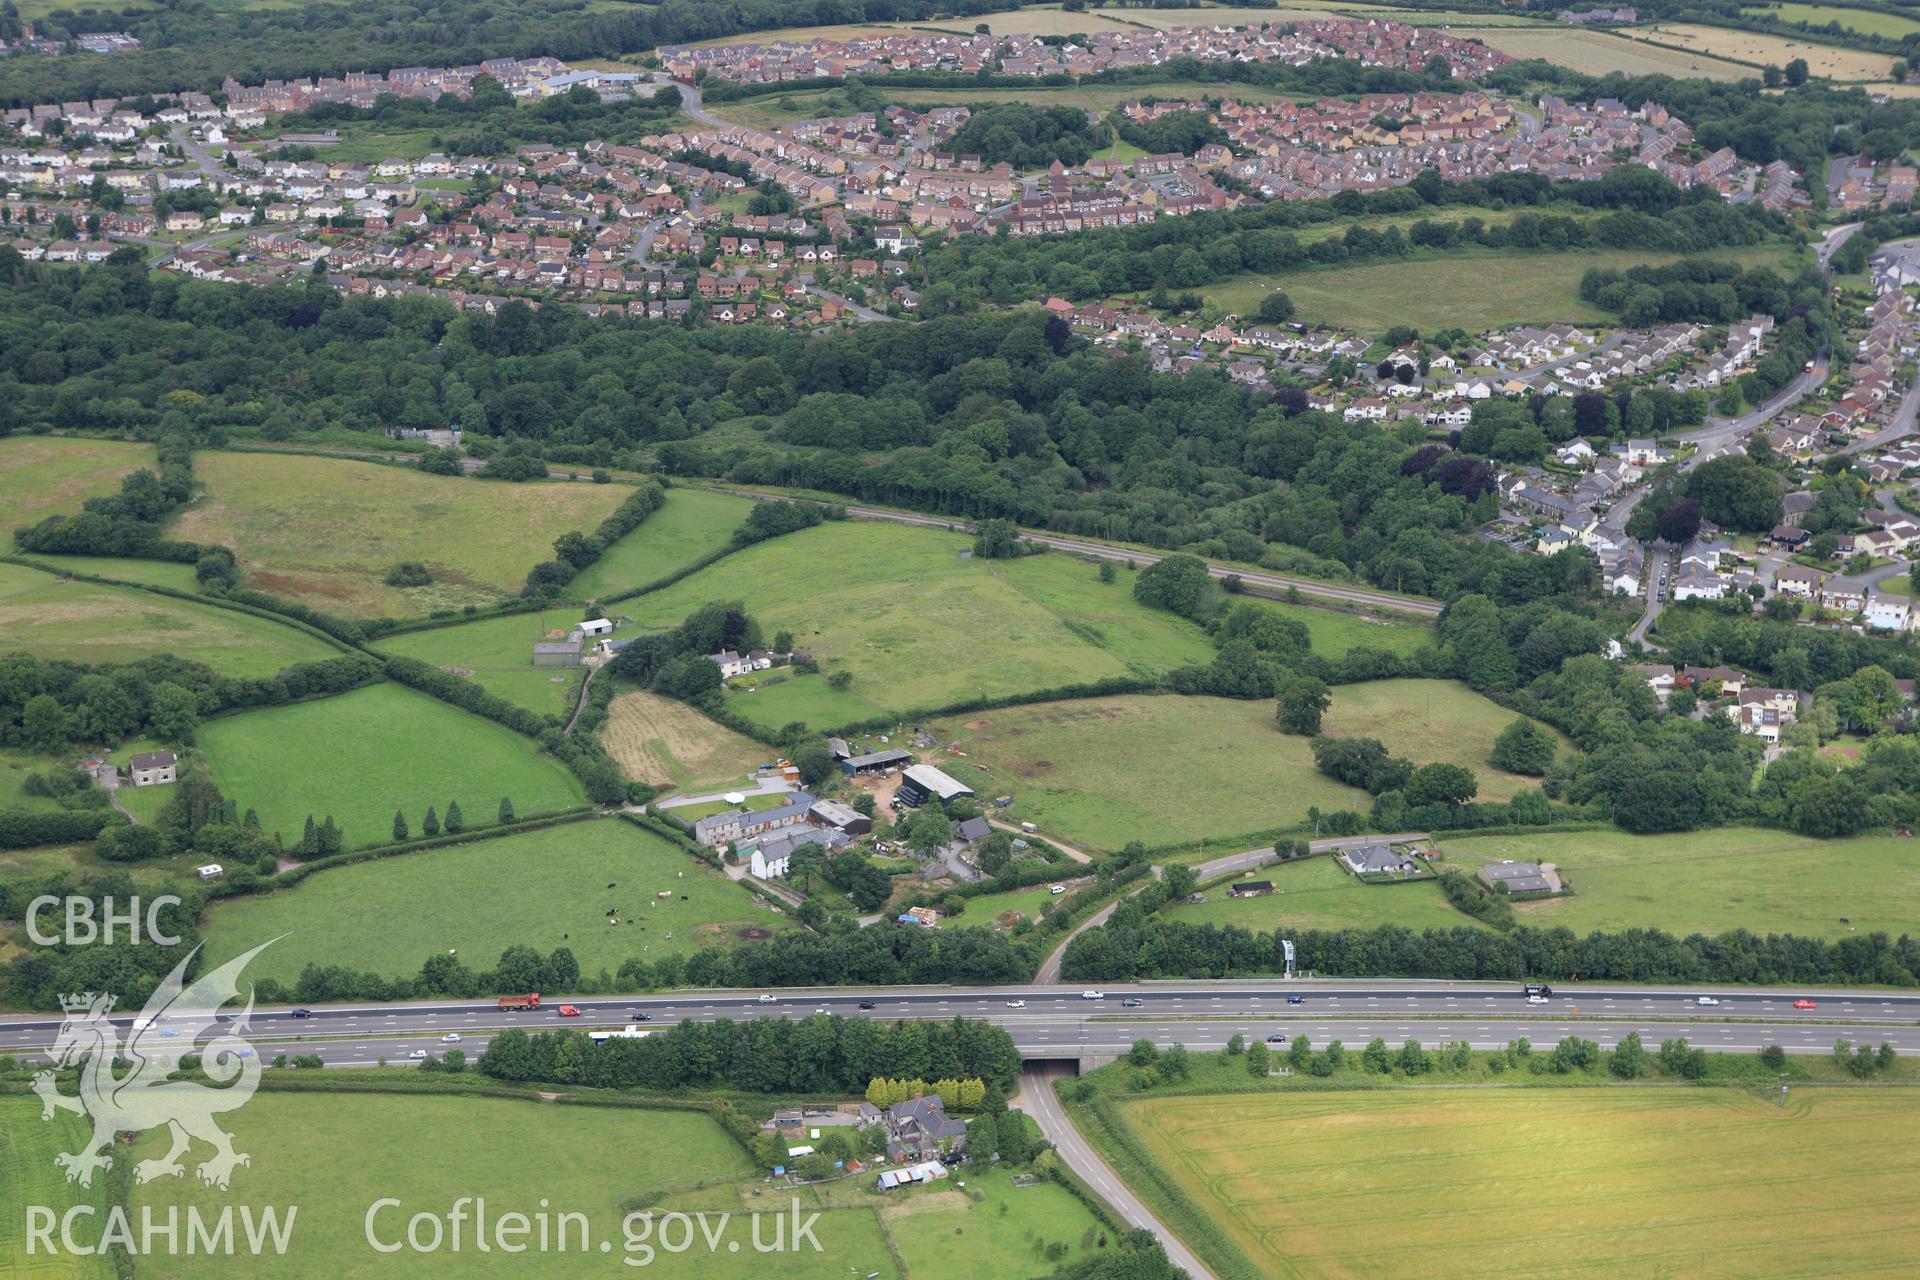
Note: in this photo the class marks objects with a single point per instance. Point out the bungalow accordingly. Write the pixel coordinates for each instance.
(1378, 859)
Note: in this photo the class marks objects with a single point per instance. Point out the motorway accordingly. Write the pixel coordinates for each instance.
(1057, 1022)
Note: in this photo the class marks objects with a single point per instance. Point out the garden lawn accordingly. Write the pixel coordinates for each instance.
(1712, 881)
(1317, 893)
(1431, 722)
(29, 1177)
(334, 1154)
(325, 531)
(361, 755)
(985, 911)
(545, 888)
(920, 627)
(667, 743)
(1005, 1231)
(43, 476)
(1161, 769)
(693, 523)
(51, 617)
(497, 653)
(1643, 1181)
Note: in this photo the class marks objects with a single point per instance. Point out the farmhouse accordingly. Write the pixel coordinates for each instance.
(922, 782)
(1250, 889)
(736, 825)
(921, 1127)
(152, 768)
(1519, 877)
(733, 664)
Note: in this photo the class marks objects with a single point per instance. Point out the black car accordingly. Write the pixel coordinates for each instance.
(1277, 1038)
(639, 1016)
(866, 1004)
(302, 1013)
(1296, 999)
(1131, 1004)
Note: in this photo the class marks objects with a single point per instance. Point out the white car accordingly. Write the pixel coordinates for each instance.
(452, 1037)
(418, 1053)
(768, 999)
(1093, 995)
(1016, 1004)
(1536, 1000)
(1706, 1001)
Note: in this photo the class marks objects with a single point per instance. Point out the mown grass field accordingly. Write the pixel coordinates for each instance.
(1333, 632)
(28, 1177)
(669, 744)
(920, 627)
(1753, 46)
(1159, 769)
(1712, 881)
(43, 476)
(546, 889)
(334, 1154)
(1429, 722)
(326, 531)
(1005, 1232)
(49, 617)
(987, 910)
(1867, 22)
(361, 755)
(1316, 893)
(1596, 53)
(1535, 287)
(1643, 1181)
(693, 523)
(497, 653)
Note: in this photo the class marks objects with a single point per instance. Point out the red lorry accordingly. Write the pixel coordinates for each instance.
(510, 1003)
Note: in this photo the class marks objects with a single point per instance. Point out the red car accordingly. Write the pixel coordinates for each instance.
(568, 1011)
(1803, 1004)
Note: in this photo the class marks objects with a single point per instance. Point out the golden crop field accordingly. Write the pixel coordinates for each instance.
(1531, 1182)
(1748, 46)
(1595, 53)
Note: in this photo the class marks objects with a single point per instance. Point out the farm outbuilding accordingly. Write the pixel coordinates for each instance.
(923, 782)
(877, 761)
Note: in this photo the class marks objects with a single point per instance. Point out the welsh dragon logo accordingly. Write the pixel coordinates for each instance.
(146, 1095)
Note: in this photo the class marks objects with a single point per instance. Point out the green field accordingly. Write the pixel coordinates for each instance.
(918, 626)
(669, 744)
(1317, 893)
(29, 1177)
(151, 573)
(53, 859)
(1645, 1181)
(43, 476)
(545, 888)
(334, 1154)
(1334, 631)
(498, 654)
(985, 911)
(50, 617)
(1428, 722)
(1170, 769)
(1159, 769)
(1448, 290)
(1712, 881)
(325, 531)
(692, 524)
(16, 763)
(1866, 22)
(361, 755)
